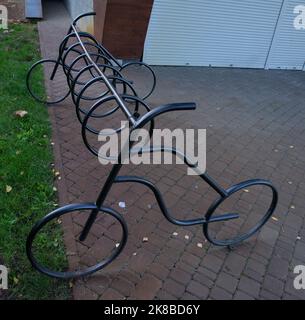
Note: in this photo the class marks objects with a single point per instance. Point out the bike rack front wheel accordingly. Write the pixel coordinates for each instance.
(53, 217)
(245, 186)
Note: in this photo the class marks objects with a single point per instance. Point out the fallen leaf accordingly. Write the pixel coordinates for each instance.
(187, 237)
(56, 173)
(145, 239)
(199, 245)
(298, 238)
(16, 280)
(275, 219)
(175, 234)
(54, 189)
(8, 189)
(71, 284)
(117, 245)
(21, 113)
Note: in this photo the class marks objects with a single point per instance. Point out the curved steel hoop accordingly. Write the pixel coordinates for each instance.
(108, 61)
(150, 87)
(230, 192)
(81, 55)
(60, 213)
(78, 95)
(85, 128)
(44, 98)
(99, 80)
(63, 45)
(105, 64)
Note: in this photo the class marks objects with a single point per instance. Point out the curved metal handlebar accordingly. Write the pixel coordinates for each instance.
(82, 16)
(163, 109)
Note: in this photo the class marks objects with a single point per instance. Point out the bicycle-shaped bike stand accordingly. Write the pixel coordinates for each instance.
(123, 100)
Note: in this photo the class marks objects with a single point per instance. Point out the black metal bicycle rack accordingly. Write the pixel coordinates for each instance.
(103, 69)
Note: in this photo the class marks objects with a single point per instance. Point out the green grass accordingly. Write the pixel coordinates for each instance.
(25, 166)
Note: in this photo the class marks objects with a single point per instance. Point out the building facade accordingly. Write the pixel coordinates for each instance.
(223, 33)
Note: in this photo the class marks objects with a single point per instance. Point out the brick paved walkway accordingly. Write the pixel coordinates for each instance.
(255, 122)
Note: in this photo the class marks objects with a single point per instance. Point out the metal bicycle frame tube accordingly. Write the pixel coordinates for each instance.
(114, 178)
(107, 82)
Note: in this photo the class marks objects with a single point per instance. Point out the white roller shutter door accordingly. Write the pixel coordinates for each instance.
(222, 33)
(288, 46)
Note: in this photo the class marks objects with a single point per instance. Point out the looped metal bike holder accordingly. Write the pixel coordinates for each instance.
(97, 64)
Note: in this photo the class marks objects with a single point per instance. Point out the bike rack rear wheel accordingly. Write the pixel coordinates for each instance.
(55, 215)
(232, 190)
